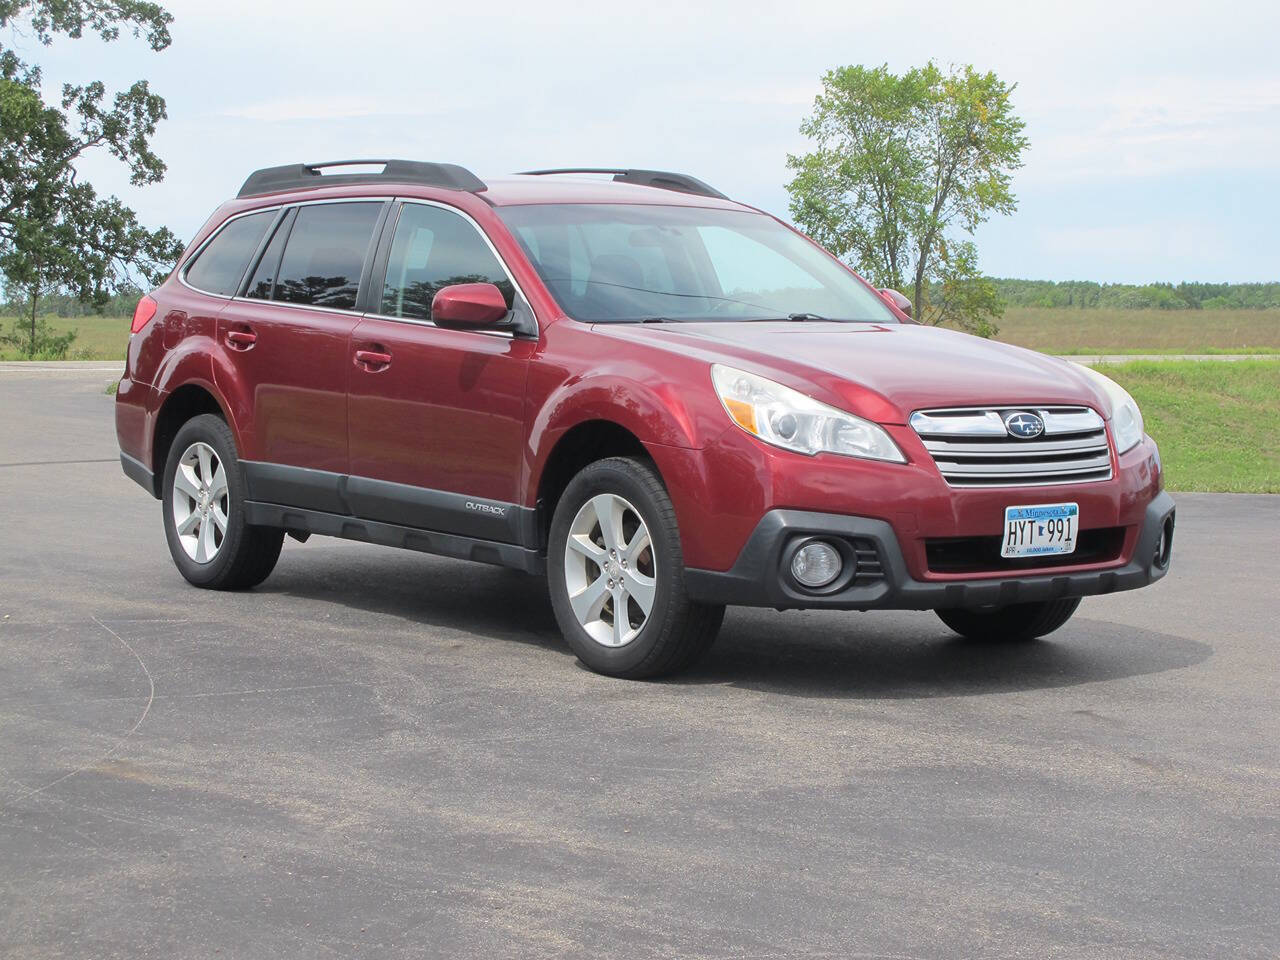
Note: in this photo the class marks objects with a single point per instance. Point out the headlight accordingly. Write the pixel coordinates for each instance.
(1126, 418)
(789, 419)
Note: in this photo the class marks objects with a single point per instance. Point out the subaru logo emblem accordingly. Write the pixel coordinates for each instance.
(1023, 425)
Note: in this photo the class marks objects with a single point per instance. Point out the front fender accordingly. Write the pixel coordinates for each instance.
(654, 415)
(650, 407)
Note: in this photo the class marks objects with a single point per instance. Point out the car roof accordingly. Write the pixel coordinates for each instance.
(427, 178)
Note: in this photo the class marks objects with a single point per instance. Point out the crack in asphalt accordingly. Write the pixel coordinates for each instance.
(54, 463)
(151, 696)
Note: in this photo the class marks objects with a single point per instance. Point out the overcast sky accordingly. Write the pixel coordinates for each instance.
(1154, 127)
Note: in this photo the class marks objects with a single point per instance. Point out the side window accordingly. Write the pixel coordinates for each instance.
(435, 248)
(325, 253)
(220, 265)
(263, 282)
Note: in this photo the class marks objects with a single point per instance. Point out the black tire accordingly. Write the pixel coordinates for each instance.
(677, 631)
(1014, 623)
(246, 554)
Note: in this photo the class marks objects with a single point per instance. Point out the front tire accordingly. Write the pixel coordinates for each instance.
(616, 575)
(1017, 622)
(204, 518)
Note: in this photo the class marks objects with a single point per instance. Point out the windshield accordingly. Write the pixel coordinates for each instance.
(615, 263)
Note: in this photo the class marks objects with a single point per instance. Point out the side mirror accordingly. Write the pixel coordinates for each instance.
(468, 306)
(898, 300)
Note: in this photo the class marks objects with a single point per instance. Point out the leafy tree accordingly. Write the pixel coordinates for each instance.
(900, 165)
(55, 232)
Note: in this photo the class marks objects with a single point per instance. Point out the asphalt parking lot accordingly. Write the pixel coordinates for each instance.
(386, 754)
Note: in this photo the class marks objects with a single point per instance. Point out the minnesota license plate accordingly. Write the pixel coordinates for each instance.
(1040, 531)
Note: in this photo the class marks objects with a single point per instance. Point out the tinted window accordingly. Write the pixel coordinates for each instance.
(263, 282)
(220, 265)
(434, 248)
(325, 254)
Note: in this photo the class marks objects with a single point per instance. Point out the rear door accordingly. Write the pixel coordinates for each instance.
(436, 418)
(287, 341)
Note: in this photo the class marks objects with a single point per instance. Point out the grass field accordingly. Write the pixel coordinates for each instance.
(99, 338)
(1070, 331)
(1217, 424)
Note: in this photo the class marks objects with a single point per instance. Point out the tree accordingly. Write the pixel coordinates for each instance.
(55, 232)
(900, 165)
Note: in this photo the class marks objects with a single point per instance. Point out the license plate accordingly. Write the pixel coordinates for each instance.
(1040, 531)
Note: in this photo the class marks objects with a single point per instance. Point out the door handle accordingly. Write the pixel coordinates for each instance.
(373, 360)
(241, 339)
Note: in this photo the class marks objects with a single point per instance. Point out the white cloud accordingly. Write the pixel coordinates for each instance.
(1158, 127)
(306, 108)
(1124, 241)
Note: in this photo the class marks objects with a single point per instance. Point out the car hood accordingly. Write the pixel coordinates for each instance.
(887, 371)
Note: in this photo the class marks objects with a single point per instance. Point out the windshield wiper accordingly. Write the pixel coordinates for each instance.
(790, 317)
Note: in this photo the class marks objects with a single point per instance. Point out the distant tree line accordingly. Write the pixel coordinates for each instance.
(63, 304)
(1087, 295)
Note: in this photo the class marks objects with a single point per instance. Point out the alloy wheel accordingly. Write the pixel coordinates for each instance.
(200, 502)
(609, 570)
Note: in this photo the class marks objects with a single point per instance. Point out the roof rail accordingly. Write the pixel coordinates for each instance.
(304, 176)
(663, 179)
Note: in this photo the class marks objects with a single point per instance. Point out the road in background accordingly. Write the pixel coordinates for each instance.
(381, 753)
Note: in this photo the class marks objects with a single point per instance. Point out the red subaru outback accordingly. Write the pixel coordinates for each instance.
(665, 400)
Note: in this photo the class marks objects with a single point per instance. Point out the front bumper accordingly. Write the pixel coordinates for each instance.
(759, 578)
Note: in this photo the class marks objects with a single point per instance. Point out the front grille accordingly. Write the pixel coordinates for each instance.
(975, 554)
(973, 448)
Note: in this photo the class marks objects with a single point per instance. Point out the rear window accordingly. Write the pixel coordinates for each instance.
(219, 267)
(325, 254)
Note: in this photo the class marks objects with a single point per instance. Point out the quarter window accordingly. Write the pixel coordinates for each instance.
(435, 248)
(263, 282)
(325, 254)
(219, 267)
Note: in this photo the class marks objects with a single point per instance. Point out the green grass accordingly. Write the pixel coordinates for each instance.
(1217, 424)
(1170, 352)
(1066, 330)
(98, 338)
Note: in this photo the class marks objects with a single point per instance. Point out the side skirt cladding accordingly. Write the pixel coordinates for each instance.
(140, 473)
(393, 514)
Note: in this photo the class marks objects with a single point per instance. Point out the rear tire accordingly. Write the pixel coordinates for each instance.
(618, 588)
(204, 518)
(1015, 623)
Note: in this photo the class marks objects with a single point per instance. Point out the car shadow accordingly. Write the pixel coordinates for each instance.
(885, 655)
(904, 655)
(489, 601)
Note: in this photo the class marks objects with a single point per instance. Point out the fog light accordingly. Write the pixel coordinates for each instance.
(816, 564)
